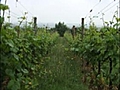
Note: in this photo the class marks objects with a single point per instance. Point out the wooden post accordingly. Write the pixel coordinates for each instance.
(83, 61)
(18, 31)
(0, 9)
(119, 8)
(110, 71)
(35, 25)
(4, 10)
(2, 16)
(82, 28)
(9, 16)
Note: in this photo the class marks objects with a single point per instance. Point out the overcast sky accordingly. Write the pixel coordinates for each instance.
(68, 11)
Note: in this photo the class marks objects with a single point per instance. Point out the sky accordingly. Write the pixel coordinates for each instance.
(67, 11)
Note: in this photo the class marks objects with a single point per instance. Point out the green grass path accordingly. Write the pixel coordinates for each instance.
(63, 69)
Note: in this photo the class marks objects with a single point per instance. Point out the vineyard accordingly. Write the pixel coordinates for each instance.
(35, 58)
(100, 54)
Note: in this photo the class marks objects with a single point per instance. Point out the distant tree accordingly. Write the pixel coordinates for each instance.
(61, 28)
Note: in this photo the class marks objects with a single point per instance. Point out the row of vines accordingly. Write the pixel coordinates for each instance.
(22, 58)
(100, 54)
(23, 55)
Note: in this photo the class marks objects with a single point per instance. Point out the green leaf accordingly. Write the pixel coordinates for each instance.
(10, 43)
(13, 85)
(16, 57)
(72, 49)
(3, 7)
(10, 72)
(1, 19)
(25, 71)
(19, 74)
(117, 19)
(76, 49)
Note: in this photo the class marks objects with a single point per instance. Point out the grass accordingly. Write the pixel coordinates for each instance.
(62, 69)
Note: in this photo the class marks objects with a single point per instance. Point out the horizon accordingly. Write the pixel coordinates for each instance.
(52, 25)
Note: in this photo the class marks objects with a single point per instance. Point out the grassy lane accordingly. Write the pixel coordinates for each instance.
(62, 69)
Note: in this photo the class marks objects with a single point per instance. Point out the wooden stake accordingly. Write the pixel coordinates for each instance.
(35, 25)
(82, 28)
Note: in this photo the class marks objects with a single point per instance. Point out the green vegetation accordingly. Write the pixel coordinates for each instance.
(3, 7)
(52, 60)
(100, 50)
(32, 62)
(62, 70)
(61, 28)
(22, 58)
